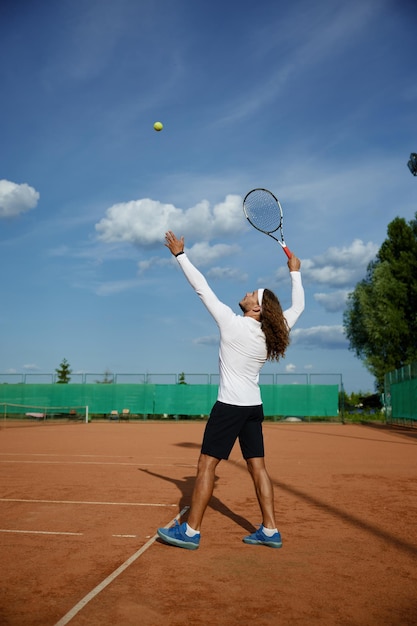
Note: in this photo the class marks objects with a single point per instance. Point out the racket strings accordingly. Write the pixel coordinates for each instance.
(262, 210)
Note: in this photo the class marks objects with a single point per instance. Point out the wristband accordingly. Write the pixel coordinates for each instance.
(182, 252)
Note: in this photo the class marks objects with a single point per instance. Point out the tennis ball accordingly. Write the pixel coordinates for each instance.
(158, 126)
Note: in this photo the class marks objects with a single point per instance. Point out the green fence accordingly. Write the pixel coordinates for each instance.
(401, 394)
(147, 399)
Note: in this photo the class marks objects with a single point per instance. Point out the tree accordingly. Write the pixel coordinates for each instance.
(64, 372)
(412, 164)
(381, 316)
(108, 378)
(181, 379)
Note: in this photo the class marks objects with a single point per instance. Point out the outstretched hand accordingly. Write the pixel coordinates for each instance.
(175, 245)
(294, 264)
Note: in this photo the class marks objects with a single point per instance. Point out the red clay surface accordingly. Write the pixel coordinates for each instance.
(346, 500)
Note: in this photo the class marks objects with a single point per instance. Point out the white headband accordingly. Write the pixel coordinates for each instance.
(260, 296)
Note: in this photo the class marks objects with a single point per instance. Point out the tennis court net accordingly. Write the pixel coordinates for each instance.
(19, 412)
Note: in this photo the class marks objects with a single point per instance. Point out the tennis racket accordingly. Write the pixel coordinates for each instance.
(264, 212)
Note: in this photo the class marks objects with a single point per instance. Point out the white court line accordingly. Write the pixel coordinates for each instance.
(38, 532)
(84, 502)
(82, 603)
(103, 463)
(94, 456)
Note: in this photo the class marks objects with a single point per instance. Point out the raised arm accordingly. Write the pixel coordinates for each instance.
(297, 292)
(221, 312)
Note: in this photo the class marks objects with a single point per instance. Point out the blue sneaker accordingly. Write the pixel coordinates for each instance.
(260, 539)
(176, 537)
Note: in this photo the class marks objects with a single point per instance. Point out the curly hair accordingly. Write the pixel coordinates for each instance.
(274, 326)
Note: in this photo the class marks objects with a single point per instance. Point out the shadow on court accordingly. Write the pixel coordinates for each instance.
(186, 485)
(411, 433)
(392, 540)
(403, 431)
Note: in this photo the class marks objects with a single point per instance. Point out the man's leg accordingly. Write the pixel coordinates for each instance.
(267, 534)
(180, 535)
(203, 489)
(264, 490)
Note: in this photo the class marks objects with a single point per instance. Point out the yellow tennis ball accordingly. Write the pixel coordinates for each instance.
(158, 126)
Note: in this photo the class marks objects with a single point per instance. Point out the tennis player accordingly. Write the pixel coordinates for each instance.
(246, 342)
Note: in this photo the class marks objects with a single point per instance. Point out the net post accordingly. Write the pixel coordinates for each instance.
(86, 414)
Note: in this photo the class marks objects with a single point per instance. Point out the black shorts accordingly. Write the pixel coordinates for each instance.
(226, 423)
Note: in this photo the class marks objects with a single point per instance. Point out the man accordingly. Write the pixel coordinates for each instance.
(246, 342)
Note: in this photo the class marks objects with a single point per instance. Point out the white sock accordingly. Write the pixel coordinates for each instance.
(269, 531)
(191, 532)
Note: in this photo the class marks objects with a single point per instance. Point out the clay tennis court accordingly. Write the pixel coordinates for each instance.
(80, 505)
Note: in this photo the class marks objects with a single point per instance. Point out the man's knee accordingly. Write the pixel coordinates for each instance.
(255, 465)
(207, 463)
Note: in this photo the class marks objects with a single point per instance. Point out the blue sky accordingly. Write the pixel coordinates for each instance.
(316, 101)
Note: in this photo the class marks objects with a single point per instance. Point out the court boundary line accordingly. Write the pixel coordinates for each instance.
(30, 501)
(70, 456)
(94, 592)
(138, 463)
(39, 532)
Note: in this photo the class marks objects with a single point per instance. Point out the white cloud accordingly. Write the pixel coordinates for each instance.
(200, 254)
(290, 368)
(140, 222)
(340, 267)
(152, 262)
(203, 253)
(209, 340)
(337, 267)
(332, 302)
(144, 222)
(325, 337)
(228, 273)
(358, 253)
(16, 199)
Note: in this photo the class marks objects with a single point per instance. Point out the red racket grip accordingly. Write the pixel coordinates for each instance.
(287, 251)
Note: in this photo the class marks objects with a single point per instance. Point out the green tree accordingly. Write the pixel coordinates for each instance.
(181, 379)
(108, 378)
(380, 319)
(64, 372)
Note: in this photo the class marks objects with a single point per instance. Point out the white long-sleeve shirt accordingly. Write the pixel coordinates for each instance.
(242, 350)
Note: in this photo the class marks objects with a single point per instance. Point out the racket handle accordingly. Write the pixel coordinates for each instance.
(287, 251)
